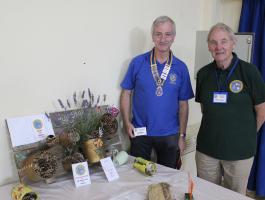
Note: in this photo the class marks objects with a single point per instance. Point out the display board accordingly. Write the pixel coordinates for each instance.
(45, 145)
(244, 49)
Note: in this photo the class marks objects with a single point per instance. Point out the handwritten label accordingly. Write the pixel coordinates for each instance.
(109, 169)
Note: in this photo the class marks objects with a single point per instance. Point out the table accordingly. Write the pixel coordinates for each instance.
(131, 185)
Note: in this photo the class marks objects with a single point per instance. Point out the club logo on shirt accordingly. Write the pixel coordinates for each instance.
(236, 86)
(173, 78)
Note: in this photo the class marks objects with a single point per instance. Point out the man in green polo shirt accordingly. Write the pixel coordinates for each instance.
(232, 97)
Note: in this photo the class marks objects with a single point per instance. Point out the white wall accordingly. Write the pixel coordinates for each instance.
(226, 11)
(51, 48)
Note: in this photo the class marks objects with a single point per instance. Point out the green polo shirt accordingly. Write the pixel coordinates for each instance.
(228, 130)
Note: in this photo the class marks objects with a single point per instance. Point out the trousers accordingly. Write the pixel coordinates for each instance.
(165, 148)
(232, 174)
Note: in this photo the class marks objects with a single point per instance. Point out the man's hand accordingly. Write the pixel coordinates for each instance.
(182, 144)
(129, 129)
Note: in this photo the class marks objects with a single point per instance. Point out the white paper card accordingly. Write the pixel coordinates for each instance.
(81, 174)
(29, 129)
(109, 169)
(139, 131)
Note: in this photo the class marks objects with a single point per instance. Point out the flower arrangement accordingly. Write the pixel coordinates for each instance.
(93, 122)
(96, 122)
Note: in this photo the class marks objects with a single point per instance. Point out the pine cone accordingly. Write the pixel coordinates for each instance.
(109, 125)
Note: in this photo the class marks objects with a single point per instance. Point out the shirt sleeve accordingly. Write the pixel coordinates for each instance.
(257, 86)
(129, 79)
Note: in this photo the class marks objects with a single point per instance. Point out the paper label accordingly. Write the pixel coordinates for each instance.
(81, 174)
(29, 129)
(139, 131)
(109, 169)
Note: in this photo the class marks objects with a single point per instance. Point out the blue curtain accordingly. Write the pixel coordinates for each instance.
(253, 20)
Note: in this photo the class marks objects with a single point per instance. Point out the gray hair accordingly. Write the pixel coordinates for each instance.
(163, 19)
(224, 27)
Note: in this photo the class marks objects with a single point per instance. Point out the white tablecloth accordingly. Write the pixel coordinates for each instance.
(131, 185)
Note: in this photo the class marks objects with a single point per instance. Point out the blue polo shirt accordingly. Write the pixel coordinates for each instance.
(159, 114)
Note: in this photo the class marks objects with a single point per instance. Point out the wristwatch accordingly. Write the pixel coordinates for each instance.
(183, 135)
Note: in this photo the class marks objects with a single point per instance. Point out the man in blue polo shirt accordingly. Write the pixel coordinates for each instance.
(159, 84)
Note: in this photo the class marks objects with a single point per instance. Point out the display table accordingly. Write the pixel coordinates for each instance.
(131, 185)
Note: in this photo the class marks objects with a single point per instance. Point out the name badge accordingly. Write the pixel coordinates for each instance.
(139, 131)
(220, 97)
